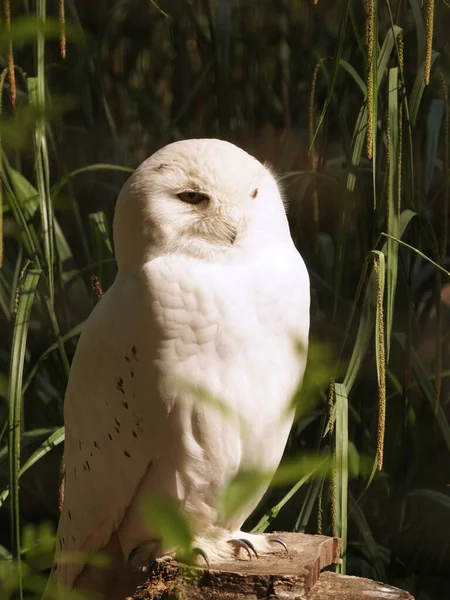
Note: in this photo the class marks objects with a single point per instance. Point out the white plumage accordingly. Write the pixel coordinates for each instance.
(210, 289)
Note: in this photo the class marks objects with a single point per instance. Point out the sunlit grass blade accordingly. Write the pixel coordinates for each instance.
(272, 514)
(27, 289)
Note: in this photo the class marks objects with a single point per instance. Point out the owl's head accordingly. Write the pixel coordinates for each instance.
(204, 197)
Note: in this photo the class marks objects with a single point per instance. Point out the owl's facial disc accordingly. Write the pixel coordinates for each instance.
(211, 219)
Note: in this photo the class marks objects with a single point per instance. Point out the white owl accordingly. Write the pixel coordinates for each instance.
(211, 290)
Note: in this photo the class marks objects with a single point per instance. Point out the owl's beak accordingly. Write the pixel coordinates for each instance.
(232, 223)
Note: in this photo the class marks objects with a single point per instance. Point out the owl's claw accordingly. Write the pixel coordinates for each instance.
(275, 539)
(251, 546)
(200, 552)
(246, 545)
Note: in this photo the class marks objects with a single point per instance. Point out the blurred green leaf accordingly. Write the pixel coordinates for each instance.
(24, 30)
(166, 521)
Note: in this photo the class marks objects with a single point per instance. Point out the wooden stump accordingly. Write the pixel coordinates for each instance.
(344, 587)
(293, 576)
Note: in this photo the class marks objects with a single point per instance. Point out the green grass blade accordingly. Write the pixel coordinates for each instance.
(337, 57)
(28, 438)
(53, 440)
(29, 237)
(364, 333)
(433, 131)
(59, 185)
(36, 92)
(370, 546)
(101, 243)
(419, 88)
(393, 219)
(271, 515)
(27, 289)
(369, 305)
(416, 11)
(308, 504)
(75, 332)
(341, 434)
(427, 389)
(355, 75)
(417, 251)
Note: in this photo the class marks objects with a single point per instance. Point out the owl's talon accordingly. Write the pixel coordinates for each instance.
(275, 539)
(241, 543)
(202, 553)
(251, 546)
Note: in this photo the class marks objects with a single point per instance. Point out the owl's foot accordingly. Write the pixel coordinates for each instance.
(142, 557)
(257, 543)
(246, 545)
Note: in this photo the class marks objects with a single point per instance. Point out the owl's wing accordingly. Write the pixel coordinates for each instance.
(111, 400)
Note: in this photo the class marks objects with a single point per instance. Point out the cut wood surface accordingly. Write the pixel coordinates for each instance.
(288, 576)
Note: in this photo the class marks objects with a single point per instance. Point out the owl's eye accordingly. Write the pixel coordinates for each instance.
(193, 197)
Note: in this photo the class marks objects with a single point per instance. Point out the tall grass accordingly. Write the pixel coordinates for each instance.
(369, 211)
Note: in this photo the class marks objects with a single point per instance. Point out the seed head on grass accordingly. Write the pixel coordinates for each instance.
(370, 41)
(333, 488)
(11, 72)
(333, 494)
(388, 162)
(62, 23)
(400, 127)
(331, 407)
(429, 45)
